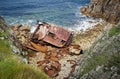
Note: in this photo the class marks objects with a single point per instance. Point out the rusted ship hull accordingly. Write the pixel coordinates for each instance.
(54, 35)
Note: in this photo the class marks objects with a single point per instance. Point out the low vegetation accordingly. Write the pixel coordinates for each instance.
(114, 31)
(94, 61)
(12, 68)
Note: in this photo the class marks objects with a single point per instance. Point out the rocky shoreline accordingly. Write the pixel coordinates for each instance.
(71, 62)
(109, 10)
(58, 63)
(87, 38)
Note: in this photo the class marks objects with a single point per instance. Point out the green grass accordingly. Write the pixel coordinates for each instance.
(12, 68)
(114, 31)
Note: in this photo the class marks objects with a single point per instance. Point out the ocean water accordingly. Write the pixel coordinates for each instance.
(65, 13)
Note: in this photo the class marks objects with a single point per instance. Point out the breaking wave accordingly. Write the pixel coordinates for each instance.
(65, 13)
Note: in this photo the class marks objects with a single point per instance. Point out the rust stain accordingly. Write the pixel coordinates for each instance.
(54, 35)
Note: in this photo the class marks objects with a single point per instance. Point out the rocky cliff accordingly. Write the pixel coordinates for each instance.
(102, 59)
(109, 10)
(12, 66)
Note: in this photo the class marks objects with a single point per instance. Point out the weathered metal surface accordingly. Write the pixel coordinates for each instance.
(52, 34)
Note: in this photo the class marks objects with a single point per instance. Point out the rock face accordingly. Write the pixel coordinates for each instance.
(5, 28)
(101, 60)
(109, 10)
(3, 24)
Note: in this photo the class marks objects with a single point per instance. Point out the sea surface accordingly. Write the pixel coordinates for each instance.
(65, 13)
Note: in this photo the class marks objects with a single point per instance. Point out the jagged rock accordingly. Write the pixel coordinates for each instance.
(109, 10)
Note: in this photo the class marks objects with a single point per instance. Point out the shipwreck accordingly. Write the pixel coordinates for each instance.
(42, 35)
(52, 34)
(50, 44)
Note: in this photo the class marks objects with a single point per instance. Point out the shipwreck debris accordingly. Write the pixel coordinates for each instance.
(52, 34)
(51, 44)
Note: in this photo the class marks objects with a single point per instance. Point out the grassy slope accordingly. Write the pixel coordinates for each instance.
(12, 68)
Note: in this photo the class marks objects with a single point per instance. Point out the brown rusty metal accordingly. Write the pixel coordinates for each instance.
(54, 35)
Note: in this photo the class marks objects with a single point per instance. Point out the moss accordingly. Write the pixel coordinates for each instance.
(114, 31)
(12, 68)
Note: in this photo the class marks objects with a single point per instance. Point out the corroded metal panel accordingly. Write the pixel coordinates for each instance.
(54, 35)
